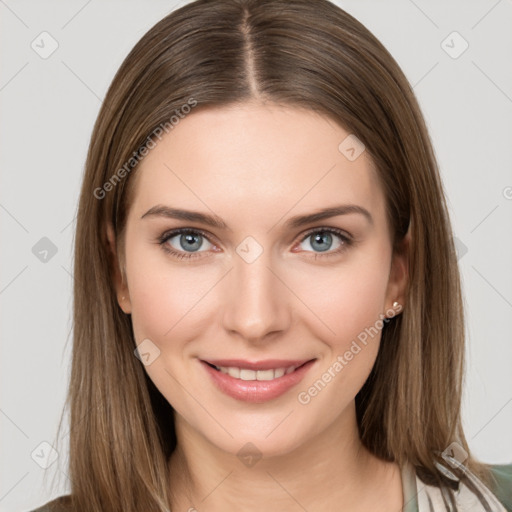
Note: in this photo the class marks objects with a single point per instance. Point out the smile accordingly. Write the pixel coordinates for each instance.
(256, 385)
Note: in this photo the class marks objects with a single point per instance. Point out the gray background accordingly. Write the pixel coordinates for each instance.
(48, 108)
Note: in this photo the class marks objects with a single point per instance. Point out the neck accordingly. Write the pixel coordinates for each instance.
(332, 468)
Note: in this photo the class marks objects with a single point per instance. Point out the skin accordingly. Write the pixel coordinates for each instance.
(255, 166)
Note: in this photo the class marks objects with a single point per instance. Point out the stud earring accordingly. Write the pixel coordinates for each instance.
(395, 305)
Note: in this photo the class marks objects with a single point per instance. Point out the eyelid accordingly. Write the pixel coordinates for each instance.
(337, 231)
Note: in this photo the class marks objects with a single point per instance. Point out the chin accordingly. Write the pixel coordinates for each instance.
(253, 444)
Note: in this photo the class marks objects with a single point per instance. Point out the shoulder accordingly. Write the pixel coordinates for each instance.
(60, 504)
(502, 484)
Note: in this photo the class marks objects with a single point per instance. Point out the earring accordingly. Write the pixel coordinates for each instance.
(395, 305)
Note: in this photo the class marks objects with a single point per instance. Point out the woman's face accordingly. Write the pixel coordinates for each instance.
(257, 286)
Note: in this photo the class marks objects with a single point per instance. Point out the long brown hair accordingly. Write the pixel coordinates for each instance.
(300, 53)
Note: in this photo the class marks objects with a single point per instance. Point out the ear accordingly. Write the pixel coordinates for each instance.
(123, 295)
(399, 275)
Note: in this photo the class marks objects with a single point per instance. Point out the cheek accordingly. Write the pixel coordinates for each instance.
(167, 305)
(353, 309)
(348, 298)
(163, 297)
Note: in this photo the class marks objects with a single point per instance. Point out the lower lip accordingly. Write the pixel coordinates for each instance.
(256, 391)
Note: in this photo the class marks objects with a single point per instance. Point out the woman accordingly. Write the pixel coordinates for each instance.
(267, 304)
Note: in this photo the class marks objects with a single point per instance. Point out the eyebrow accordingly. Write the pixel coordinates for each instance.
(293, 222)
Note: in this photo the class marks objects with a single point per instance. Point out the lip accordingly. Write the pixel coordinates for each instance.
(268, 364)
(256, 391)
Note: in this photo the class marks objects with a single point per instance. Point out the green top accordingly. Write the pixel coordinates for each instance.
(418, 497)
(503, 476)
(503, 490)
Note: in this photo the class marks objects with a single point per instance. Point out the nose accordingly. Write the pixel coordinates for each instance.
(257, 303)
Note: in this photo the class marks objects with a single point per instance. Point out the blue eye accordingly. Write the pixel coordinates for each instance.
(321, 239)
(189, 242)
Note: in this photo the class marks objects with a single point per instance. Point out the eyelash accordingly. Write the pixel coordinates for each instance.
(346, 241)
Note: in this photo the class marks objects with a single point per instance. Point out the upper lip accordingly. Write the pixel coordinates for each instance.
(268, 364)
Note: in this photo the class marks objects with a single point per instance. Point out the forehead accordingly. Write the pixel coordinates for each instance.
(264, 159)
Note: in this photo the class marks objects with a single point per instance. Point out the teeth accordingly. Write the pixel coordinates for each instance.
(245, 374)
(279, 372)
(233, 372)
